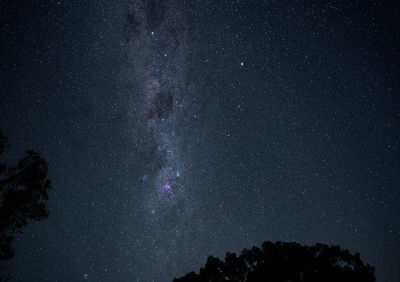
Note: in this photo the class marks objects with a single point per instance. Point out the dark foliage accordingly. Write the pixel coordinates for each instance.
(23, 196)
(284, 262)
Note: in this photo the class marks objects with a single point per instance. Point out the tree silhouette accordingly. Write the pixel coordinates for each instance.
(23, 196)
(284, 262)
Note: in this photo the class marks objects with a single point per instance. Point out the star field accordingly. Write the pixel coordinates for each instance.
(175, 130)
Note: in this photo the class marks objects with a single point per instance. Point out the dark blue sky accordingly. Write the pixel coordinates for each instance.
(175, 130)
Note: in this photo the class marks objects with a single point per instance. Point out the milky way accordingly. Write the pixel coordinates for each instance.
(157, 48)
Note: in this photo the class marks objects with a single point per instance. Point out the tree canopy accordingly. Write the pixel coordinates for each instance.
(23, 195)
(284, 262)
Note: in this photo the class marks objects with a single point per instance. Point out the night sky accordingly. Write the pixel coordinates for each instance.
(175, 130)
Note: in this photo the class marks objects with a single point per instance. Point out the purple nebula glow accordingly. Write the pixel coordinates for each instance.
(167, 187)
